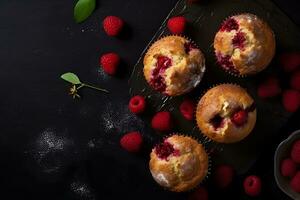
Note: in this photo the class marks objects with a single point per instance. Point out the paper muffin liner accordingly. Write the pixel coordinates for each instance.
(193, 43)
(216, 143)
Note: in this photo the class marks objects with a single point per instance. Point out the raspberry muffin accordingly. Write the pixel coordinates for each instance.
(179, 164)
(173, 65)
(244, 45)
(226, 113)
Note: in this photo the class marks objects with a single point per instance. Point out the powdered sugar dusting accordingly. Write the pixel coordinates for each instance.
(82, 190)
(118, 119)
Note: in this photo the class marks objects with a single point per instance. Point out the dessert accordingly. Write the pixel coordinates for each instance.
(173, 65)
(244, 44)
(226, 113)
(179, 164)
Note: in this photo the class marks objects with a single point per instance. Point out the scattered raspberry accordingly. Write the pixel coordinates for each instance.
(110, 63)
(252, 185)
(269, 88)
(239, 118)
(288, 168)
(295, 182)
(176, 25)
(291, 100)
(132, 141)
(238, 40)
(229, 25)
(187, 108)
(199, 194)
(162, 121)
(290, 61)
(112, 25)
(137, 104)
(295, 81)
(223, 176)
(164, 150)
(295, 152)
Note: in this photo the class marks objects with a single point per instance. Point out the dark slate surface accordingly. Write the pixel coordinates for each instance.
(53, 147)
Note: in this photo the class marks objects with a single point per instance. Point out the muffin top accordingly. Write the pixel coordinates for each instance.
(244, 44)
(226, 113)
(180, 163)
(173, 65)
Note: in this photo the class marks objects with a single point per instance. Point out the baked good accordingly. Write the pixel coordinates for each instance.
(226, 113)
(179, 164)
(244, 44)
(174, 65)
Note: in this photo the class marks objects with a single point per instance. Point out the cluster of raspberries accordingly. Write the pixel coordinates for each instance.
(290, 167)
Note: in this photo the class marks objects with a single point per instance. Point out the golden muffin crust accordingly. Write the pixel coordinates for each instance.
(219, 109)
(173, 65)
(179, 164)
(244, 44)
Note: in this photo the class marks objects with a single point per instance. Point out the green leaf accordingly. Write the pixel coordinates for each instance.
(71, 78)
(83, 9)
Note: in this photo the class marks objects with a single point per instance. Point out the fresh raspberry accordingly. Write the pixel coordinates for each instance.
(199, 194)
(187, 108)
(112, 25)
(223, 176)
(239, 118)
(295, 152)
(110, 63)
(291, 100)
(288, 168)
(295, 182)
(132, 141)
(295, 81)
(162, 121)
(269, 88)
(137, 104)
(176, 25)
(229, 25)
(290, 61)
(252, 185)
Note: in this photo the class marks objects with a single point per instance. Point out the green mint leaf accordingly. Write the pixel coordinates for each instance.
(83, 9)
(71, 78)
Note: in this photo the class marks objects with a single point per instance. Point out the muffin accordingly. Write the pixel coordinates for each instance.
(244, 45)
(174, 65)
(226, 113)
(179, 164)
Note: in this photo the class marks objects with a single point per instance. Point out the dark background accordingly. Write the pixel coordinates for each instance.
(54, 147)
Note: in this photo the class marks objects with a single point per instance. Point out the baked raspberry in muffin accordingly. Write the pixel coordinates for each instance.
(173, 65)
(226, 113)
(179, 164)
(244, 44)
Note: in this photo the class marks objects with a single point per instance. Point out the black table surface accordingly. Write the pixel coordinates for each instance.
(54, 147)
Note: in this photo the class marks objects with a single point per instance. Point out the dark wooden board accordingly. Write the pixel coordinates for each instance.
(204, 21)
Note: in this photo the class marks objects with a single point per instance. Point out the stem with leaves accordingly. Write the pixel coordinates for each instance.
(77, 84)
